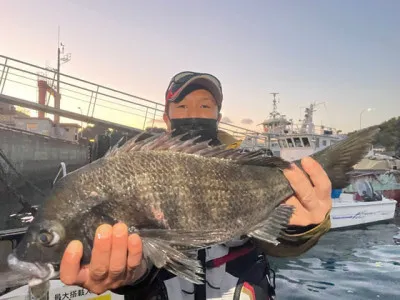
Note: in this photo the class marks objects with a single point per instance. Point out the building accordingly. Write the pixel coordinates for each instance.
(8, 113)
(45, 126)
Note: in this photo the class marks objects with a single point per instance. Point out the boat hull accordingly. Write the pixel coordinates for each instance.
(348, 213)
(392, 194)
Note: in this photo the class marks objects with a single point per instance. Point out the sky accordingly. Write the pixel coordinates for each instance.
(343, 53)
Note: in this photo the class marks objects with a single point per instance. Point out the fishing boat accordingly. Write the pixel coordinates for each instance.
(362, 202)
(363, 207)
(382, 171)
(292, 141)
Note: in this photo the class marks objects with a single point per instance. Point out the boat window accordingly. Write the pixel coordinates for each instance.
(285, 143)
(306, 142)
(297, 142)
(324, 143)
(290, 142)
(262, 141)
(281, 143)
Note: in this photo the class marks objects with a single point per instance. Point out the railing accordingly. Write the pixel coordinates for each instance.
(19, 79)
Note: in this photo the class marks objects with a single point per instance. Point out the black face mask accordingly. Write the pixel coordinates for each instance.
(205, 128)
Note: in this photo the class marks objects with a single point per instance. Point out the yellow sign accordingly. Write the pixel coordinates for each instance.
(101, 297)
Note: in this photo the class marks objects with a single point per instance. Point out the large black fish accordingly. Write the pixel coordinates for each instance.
(178, 196)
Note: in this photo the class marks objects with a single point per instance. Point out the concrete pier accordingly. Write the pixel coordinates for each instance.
(37, 156)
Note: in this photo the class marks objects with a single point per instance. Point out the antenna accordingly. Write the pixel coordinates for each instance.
(274, 112)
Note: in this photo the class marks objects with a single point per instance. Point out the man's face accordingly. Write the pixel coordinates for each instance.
(197, 104)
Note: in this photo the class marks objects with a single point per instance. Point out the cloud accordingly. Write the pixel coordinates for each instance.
(226, 120)
(247, 121)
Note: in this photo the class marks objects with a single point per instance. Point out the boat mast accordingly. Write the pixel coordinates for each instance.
(274, 112)
(308, 122)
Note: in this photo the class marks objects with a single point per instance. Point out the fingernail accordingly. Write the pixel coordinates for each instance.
(120, 229)
(104, 231)
(74, 247)
(134, 239)
(307, 159)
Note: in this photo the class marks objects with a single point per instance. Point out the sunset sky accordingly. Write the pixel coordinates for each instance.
(345, 53)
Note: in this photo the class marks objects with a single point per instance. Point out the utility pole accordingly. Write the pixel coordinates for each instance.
(66, 58)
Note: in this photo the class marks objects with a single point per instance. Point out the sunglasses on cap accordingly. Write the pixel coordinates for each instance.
(181, 80)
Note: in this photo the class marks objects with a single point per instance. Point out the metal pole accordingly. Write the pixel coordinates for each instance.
(58, 61)
(58, 70)
(154, 117)
(5, 80)
(95, 99)
(57, 97)
(81, 122)
(145, 118)
(2, 72)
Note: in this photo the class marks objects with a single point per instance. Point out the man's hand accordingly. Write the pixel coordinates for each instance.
(116, 260)
(312, 200)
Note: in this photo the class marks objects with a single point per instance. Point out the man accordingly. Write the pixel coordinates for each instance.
(193, 105)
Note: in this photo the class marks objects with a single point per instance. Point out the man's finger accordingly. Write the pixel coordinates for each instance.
(119, 251)
(101, 253)
(301, 185)
(135, 251)
(318, 177)
(70, 263)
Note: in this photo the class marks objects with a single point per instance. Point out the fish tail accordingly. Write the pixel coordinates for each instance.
(338, 160)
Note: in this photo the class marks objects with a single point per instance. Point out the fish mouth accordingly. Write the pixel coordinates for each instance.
(39, 272)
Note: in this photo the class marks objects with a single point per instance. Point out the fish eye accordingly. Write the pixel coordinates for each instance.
(48, 238)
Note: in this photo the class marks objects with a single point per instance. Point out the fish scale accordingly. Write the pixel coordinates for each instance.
(178, 196)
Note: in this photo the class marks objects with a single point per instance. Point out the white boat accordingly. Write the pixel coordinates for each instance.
(284, 139)
(347, 212)
(292, 141)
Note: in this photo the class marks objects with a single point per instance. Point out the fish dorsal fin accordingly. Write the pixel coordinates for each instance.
(114, 148)
(166, 142)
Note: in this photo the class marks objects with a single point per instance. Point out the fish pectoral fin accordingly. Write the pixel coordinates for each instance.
(163, 255)
(270, 229)
(185, 238)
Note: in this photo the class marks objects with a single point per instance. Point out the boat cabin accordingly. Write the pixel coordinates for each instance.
(295, 146)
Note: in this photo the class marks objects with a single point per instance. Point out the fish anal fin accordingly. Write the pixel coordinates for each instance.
(270, 230)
